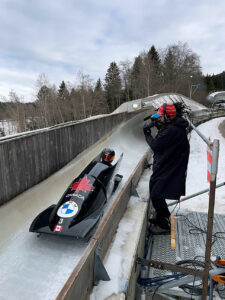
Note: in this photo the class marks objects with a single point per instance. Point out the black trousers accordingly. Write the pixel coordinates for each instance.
(162, 211)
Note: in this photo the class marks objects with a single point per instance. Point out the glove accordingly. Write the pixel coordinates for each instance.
(158, 125)
(146, 129)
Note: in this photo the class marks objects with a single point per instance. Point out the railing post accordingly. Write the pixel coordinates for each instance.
(215, 155)
(199, 133)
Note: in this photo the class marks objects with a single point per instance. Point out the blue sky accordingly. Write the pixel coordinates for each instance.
(62, 37)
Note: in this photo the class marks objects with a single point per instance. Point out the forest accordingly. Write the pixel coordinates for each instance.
(215, 82)
(169, 70)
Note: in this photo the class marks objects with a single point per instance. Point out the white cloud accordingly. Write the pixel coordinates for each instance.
(60, 38)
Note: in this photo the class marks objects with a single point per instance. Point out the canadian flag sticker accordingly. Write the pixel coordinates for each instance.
(58, 228)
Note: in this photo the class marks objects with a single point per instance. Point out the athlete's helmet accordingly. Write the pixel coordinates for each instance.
(108, 155)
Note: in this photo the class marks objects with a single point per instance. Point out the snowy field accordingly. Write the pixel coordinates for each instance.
(8, 127)
(197, 169)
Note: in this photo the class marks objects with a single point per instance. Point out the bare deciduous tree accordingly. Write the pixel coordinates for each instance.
(181, 67)
(125, 71)
(18, 111)
(175, 69)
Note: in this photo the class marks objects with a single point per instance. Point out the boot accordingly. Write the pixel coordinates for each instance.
(153, 219)
(157, 230)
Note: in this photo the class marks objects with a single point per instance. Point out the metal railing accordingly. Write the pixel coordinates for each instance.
(212, 191)
(206, 273)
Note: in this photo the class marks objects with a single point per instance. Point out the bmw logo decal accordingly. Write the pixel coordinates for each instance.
(68, 209)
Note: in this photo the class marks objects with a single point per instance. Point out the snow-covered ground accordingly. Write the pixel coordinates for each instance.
(197, 169)
(8, 127)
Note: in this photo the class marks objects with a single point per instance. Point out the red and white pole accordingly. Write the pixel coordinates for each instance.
(209, 163)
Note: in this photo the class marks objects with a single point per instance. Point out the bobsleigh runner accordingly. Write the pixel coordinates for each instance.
(81, 206)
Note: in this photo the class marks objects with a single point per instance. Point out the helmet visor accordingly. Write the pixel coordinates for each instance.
(107, 157)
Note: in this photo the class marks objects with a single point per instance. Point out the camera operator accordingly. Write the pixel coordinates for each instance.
(171, 153)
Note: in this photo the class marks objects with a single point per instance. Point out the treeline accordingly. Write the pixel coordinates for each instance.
(173, 69)
(215, 82)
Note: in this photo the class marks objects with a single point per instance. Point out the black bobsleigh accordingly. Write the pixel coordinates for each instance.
(79, 210)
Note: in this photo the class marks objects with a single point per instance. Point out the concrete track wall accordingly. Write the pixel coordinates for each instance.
(80, 282)
(27, 159)
(201, 117)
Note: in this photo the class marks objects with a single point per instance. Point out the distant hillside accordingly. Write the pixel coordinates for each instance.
(215, 82)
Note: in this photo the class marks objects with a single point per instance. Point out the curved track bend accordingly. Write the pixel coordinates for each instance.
(37, 267)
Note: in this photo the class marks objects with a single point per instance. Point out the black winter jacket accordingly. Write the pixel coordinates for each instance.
(171, 152)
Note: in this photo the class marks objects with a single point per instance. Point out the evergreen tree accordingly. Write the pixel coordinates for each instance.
(137, 78)
(169, 71)
(211, 86)
(99, 103)
(154, 64)
(98, 86)
(63, 93)
(113, 86)
(222, 80)
(215, 82)
(154, 55)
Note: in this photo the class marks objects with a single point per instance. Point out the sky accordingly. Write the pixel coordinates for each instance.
(61, 38)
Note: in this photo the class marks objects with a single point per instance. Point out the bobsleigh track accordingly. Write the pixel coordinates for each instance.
(53, 267)
(37, 267)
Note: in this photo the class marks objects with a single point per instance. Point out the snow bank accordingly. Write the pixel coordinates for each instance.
(197, 169)
(120, 256)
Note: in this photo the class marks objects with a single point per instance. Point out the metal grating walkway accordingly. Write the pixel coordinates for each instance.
(189, 241)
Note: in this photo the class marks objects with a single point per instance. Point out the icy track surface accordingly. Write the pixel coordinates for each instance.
(34, 267)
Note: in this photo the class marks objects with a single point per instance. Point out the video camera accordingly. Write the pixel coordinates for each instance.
(153, 122)
(181, 109)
